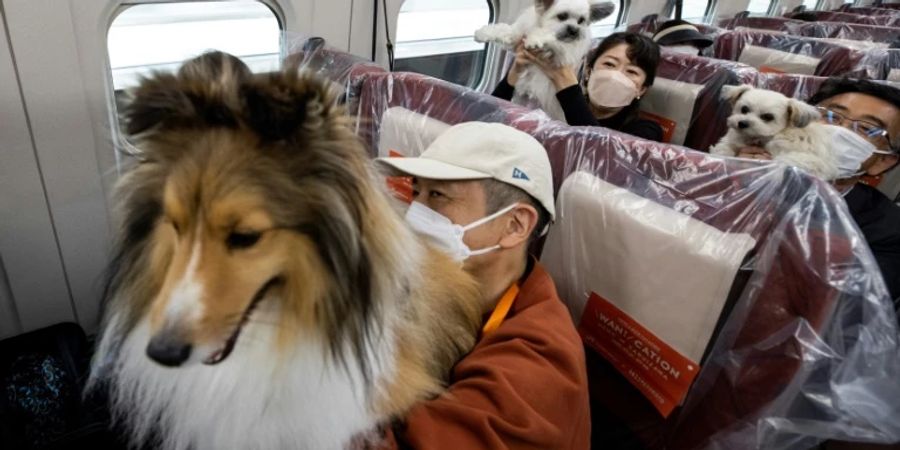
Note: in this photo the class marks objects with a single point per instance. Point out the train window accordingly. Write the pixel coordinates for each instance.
(810, 4)
(435, 37)
(606, 26)
(159, 36)
(759, 7)
(693, 10)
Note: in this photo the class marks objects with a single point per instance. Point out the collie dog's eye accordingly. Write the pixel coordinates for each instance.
(562, 17)
(745, 110)
(175, 227)
(237, 240)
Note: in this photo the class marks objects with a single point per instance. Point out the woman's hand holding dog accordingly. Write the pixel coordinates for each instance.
(754, 153)
(561, 76)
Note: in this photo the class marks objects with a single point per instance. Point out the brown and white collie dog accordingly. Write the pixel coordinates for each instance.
(265, 293)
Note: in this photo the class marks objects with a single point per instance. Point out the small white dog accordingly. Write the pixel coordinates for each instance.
(786, 128)
(559, 28)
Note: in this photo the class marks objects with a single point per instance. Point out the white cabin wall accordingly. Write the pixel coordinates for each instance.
(638, 9)
(33, 290)
(783, 7)
(726, 9)
(56, 232)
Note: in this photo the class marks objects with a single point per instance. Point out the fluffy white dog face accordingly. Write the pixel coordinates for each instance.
(570, 20)
(759, 114)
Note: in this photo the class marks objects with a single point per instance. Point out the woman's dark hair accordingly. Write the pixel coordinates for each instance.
(642, 52)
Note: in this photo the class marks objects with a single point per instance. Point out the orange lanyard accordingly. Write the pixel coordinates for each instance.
(501, 310)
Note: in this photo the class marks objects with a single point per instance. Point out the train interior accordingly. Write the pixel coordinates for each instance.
(753, 271)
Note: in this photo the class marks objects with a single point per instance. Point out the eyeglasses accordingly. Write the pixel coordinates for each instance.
(871, 132)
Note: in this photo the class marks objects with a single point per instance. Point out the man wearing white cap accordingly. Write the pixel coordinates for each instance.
(484, 192)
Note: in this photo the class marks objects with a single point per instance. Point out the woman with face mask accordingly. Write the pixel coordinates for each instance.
(617, 74)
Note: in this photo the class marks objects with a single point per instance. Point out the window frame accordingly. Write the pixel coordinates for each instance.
(670, 10)
(769, 10)
(271, 5)
(493, 9)
(123, 148)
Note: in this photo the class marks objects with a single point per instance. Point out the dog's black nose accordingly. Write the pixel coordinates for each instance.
(743, 124)
(168, 351)
(572, 30)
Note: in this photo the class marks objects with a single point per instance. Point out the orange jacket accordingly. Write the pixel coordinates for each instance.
(523, 386)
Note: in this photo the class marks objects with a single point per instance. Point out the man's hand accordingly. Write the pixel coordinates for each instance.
(754, 153)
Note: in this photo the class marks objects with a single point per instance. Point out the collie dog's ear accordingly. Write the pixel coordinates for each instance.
(278, 106)
(202, 93)
(601, 10)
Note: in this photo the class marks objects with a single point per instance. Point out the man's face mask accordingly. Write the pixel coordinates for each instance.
(447, 235)
(851, 150)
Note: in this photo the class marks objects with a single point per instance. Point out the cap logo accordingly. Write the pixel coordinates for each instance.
(519, 175)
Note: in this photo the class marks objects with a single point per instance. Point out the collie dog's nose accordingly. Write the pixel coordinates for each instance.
(168, 351)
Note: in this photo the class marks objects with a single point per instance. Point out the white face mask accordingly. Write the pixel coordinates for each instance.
(685, 49)
(851, 151)
(447, 235)
(611, 89)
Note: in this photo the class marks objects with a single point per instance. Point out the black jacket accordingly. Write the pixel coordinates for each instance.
(879, 220)
(578, 113)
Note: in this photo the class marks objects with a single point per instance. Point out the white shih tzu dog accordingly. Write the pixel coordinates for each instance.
(558, 28)
(786, 128)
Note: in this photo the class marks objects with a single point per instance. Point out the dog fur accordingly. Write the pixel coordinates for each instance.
(256, 234)
(559, 28)
(787, 128)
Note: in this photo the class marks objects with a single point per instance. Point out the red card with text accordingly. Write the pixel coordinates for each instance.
(667, 125)
(661, 373)
(401, 187)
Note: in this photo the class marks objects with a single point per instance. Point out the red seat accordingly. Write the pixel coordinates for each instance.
(345, 70)
(793, 312)
(777, 52)
(649, 28)
(756, 22)
(752, 371)
(687, 93)
(801, 87)
(821, 29)
(437, 99)
(836, 16)
(836, 30)
(871, 11)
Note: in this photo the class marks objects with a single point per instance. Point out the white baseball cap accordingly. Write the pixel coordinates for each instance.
(478, 150)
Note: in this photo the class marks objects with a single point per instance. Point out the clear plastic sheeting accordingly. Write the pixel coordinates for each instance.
(687, 96)
(836, 16)
(650, 25)
(884, 64)
(759, 23)
(346, 71)
(772, 51)
(800, 87)
(835, 30)
(805, 347)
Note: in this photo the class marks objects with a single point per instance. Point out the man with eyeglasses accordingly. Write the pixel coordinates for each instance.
(872, 110)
